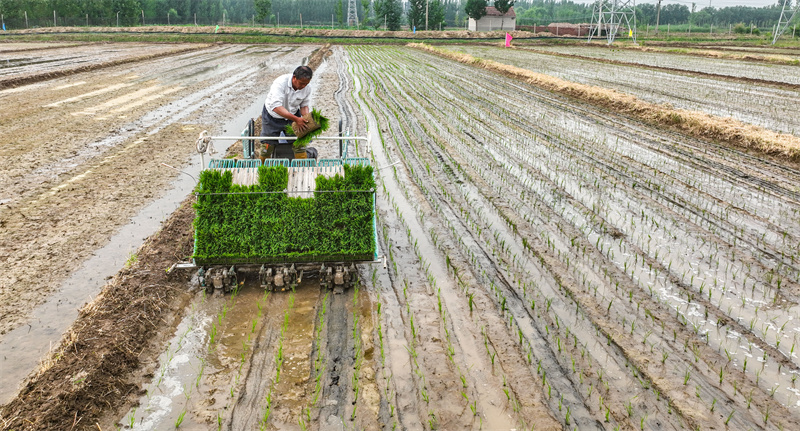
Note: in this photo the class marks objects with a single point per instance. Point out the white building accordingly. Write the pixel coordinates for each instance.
(494, 20)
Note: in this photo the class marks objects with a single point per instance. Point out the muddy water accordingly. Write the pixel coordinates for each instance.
(198, 373)
(22, 348)
(219, 369)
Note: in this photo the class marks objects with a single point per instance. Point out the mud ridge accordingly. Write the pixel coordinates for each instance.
(93, 373)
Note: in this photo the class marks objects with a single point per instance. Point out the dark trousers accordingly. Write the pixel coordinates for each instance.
(271, 126)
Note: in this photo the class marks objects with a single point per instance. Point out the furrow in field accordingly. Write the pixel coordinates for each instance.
(715, 94)
(728, 67)
(554, 179)
(443, 291)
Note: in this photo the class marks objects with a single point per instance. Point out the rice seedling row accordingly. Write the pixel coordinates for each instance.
(443, 304)
(771, 72)
(558, 186)
(751, 103)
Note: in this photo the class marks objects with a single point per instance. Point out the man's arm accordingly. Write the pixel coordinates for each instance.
(283, 112)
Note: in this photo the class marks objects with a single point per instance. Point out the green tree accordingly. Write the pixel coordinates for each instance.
(503, 6)
(129, 11)
(475, 9)
(339, 13)
(416, 14)
(263, 9)
(389, 12)
(435, 15)
(365, 4)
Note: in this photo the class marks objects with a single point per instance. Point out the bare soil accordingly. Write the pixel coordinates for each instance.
(67, 186)
(548, 263)
(98, 366)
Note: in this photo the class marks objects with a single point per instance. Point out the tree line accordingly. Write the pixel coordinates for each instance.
(378, 14)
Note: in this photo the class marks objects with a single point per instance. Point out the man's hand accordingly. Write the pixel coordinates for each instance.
(300, 124)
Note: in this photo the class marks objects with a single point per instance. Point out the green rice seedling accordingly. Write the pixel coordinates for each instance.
(730, 415)
(179, 421)
(772, 391)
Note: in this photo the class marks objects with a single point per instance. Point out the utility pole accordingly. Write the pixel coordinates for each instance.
(658, 14)
(426, 14)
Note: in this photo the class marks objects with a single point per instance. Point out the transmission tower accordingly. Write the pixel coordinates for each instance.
(623, 12)
(352, 14)
(785, 19)
(595, 28)
(611, 14)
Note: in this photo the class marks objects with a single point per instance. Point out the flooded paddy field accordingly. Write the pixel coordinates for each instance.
(548, 265)
(752, 103)
(730, 67)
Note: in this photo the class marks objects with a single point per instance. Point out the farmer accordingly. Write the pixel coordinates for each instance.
(288, 100)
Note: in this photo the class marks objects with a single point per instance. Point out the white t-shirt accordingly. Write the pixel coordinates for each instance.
(281, 93)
